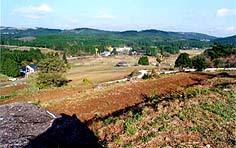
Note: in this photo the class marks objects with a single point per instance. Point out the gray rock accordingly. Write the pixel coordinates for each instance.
(26, 125)
(21, 122)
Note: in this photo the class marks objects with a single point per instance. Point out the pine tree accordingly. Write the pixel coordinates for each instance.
(51, 71)
(199, 62)
(11, 68)
(182, 61)
(143, 60)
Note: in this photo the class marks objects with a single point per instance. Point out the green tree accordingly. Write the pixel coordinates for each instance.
(11, 68)
(199, 62)
(151, 51)
(143, 60)
(218, 63)
(182, 61)
(51, 71)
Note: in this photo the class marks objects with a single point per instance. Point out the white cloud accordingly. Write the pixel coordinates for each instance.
(74, 21)
(100, 14)
(230, 29)
(33, 12)
(104, 15)
(225, 12)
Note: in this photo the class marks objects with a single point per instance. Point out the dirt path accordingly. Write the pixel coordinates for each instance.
(102, 102)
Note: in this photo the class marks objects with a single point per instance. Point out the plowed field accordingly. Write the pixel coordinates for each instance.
(103, 102)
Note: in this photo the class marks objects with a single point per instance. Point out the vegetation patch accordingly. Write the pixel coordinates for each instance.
(208, 118)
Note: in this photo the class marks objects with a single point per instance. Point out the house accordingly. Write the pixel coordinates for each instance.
(28, 69)
(123, 50)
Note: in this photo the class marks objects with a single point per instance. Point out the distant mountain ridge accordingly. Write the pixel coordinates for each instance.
(22, 32)
(85, 40)
(231, 40)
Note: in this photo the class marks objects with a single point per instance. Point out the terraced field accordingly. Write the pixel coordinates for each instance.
(199, 116)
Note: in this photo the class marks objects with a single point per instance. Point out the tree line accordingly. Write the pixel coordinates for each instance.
(218, 56)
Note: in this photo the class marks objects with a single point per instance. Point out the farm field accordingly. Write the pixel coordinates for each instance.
(118, 74)
(43, 50)
(191, 109)
(102, 69)
(201, 115)
(94, 69)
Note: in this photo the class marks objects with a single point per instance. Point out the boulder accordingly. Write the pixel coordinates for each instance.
(26, 125)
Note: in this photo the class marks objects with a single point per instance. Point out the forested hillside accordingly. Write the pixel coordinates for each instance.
(85, 40)
(12, 60)
(221, 56)
(227, 41)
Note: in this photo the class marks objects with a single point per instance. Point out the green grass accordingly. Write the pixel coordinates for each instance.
(130, 130)
(108, 120)
(36, 103)
(3, 78)
(193, 92)
(148, 137)
(4, 97)
(210, 114)
(14, 93)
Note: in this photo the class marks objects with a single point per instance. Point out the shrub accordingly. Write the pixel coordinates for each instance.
(218, 63)
(183, 60)
(199, 62)
(143, 60)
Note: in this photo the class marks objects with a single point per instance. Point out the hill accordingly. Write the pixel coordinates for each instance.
(227, 40)
(79, 40)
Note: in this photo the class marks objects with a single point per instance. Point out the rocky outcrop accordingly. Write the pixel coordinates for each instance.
(26, 125)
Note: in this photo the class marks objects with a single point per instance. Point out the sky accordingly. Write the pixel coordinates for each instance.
(212, 17)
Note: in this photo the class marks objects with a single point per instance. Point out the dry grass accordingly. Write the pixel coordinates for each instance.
(192, 52)
(43, 50)
(101, 69)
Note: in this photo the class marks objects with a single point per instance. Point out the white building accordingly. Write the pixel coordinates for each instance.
(28, 69)
(123, 50)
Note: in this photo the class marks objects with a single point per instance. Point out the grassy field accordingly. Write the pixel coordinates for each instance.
(3, 78)
(43, 50)
(102, 69)
(85, 73)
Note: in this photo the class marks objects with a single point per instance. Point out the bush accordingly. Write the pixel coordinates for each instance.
(143, 60)
(183, 60)
(199, 62)
(218, 63)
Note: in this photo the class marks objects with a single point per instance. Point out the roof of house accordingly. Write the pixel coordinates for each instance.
(33, 65)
